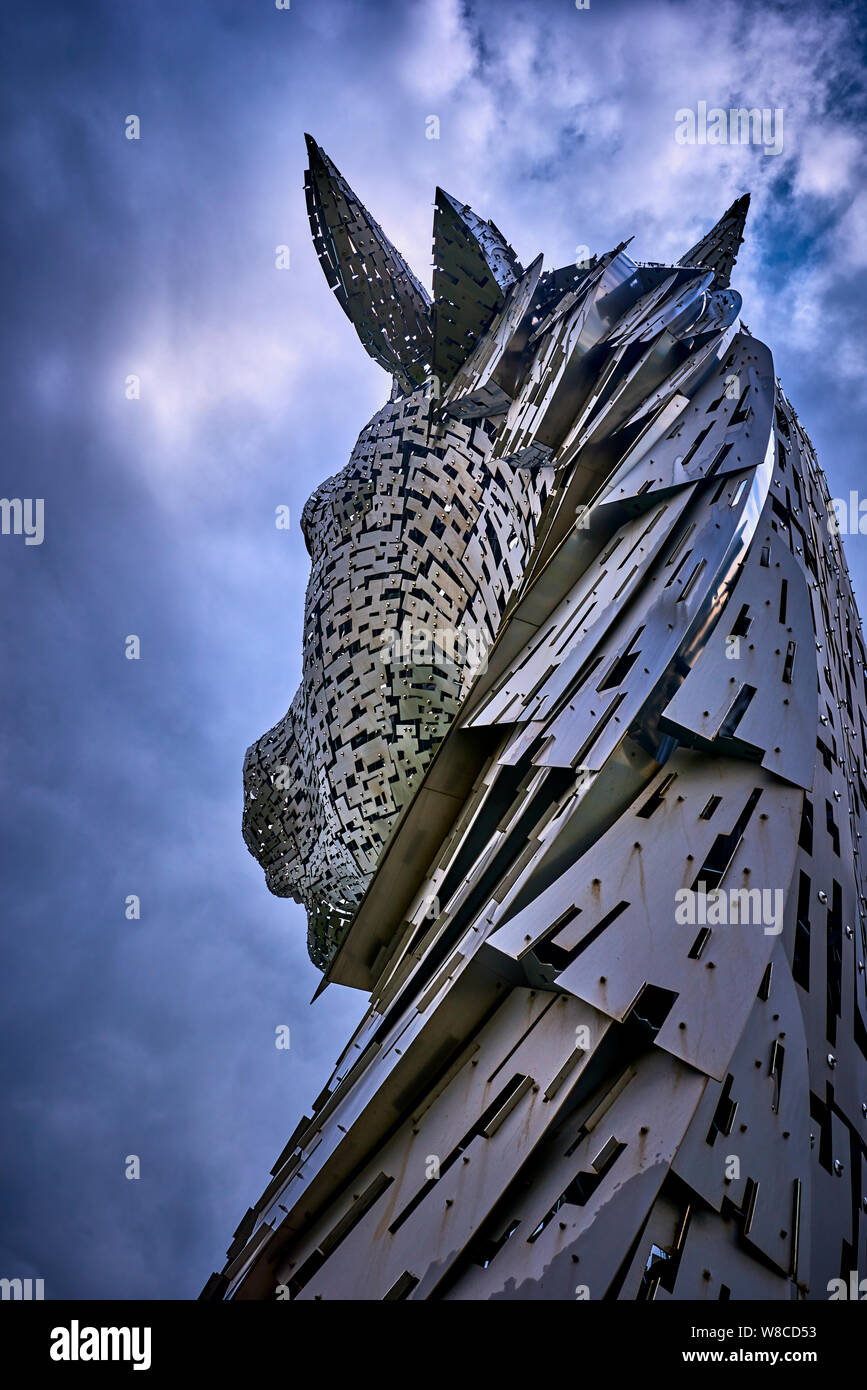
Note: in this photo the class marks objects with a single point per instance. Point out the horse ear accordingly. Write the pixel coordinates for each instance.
(718, 251)
(474, 269)
(373, 283)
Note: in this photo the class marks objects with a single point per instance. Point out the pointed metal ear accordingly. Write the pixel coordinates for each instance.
(719, 249)
(372, 282)
(474, 269)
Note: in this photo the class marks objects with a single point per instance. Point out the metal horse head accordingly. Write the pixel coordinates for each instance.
(501, 382)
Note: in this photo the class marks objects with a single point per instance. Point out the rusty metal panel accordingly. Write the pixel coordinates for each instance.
(756, 1124)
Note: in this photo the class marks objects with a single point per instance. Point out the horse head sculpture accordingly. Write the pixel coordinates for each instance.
(419, 544)
(575, 785)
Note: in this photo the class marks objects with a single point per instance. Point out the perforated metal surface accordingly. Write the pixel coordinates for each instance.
(615, 938)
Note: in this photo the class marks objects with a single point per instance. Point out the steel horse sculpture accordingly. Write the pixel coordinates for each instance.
(599, 862)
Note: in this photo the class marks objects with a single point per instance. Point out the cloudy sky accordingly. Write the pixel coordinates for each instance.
(155, 258)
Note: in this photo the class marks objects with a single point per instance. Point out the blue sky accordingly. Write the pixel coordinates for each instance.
(156, 258)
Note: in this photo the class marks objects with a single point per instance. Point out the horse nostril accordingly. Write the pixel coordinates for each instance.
(311, 529)
(308, 532)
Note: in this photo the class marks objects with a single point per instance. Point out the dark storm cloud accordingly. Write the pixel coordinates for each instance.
(156, 258)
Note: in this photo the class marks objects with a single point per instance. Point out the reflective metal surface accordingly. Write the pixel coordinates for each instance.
(606, 888)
